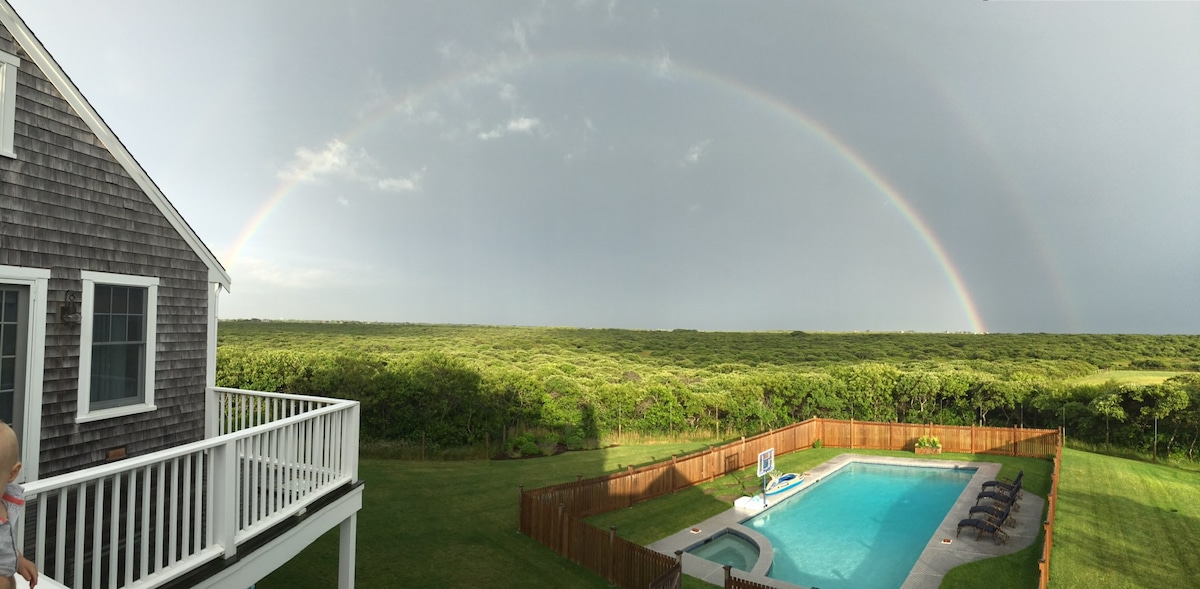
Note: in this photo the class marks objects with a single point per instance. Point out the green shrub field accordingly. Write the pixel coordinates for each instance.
(513, 388)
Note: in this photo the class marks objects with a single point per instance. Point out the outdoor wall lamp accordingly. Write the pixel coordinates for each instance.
(68, 312)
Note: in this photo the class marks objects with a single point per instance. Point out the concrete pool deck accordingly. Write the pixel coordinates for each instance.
(935, 561)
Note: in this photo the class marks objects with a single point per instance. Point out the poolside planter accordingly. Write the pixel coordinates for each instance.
(920, 450)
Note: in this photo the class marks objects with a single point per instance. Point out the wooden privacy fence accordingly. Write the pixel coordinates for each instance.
(1051, 504)
(553, 515)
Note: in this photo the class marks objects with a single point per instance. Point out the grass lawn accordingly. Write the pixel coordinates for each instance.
(454, 524)
(1140, 377)
(1123, 523)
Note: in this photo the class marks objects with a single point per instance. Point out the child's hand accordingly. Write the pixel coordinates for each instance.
(27, 570)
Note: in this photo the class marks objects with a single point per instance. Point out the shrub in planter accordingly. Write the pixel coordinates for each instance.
(928, 445)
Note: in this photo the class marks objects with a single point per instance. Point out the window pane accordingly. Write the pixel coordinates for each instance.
(134, 329)
(120, 299)
(116, 373)
(8, 373)
(8, 340)
(100, 332)
(6, 407)
(117, 329)
(9, 313)
(103, 298)
(136, 306)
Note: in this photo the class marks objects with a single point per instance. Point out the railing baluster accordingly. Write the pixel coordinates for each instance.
(173, 526)
(114, 525)
(247, 457)
(159, 518)
(197, 509)
(97, 529)
(80, 520)
(145, 543)
(289, 466)
(60, 539)
(39, 548)
(186, 506)
(130, 508)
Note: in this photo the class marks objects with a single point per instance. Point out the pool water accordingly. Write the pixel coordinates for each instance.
(864, 527)
(728, 548)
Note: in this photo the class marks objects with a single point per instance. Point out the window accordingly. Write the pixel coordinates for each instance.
(8, 101)
(116, 352)
(14, 305)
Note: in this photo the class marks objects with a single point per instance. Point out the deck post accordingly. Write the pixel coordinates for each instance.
(347, 532)
(225, 508)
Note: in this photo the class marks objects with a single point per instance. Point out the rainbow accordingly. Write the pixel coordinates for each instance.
(799, 118)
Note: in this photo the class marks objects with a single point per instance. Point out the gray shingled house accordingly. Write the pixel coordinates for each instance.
(139, 471)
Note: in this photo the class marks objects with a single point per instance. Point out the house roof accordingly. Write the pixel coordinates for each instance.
(55, 74)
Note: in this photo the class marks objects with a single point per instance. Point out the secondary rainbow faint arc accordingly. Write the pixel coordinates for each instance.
(490, 71)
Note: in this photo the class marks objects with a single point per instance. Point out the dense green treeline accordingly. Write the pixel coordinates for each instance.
(462, 385)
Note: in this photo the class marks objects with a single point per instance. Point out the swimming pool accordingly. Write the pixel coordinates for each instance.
(863, 527)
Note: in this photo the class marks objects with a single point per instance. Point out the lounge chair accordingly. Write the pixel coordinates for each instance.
(992, 512)
(983, 526)
(1011, 486)
(999, 499)
(1010, 495)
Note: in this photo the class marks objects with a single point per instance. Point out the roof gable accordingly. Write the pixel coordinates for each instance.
(55, 74)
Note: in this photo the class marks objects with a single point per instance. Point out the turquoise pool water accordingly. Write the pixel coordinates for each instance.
(728, 548)
(864, 527)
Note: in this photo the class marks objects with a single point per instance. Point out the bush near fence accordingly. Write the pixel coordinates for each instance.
(553, 515)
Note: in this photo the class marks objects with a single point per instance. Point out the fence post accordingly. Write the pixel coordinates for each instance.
(561, 547)
(728, 574)
(629, 477)
(612, 553)
(674, 482)
(851, 433)
(521, 510)
(1014, 439)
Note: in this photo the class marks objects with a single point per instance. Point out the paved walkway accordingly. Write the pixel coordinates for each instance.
(936, 560)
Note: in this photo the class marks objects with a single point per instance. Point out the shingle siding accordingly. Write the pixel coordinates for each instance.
(68, 205)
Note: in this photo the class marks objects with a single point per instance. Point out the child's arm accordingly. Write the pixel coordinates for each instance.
(27, 570)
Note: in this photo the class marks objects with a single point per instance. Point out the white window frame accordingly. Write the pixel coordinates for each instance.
(37, 279)
(8, 102)
(84, 412)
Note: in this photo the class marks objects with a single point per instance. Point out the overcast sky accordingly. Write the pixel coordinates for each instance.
(842, 166)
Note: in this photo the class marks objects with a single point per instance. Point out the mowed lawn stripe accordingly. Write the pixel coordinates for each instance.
(1123, 523)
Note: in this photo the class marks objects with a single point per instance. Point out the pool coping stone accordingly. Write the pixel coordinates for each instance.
(935, 561)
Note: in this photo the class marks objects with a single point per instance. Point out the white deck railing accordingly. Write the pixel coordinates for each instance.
(144, 521)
